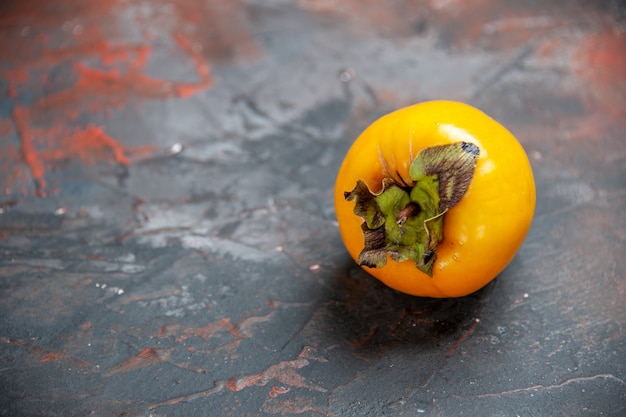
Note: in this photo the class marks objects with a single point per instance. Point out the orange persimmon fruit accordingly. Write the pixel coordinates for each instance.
(435, 199)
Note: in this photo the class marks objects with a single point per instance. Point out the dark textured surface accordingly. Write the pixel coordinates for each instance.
(168, 241)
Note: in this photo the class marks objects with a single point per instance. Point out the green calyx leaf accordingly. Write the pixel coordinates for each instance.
(405, 222)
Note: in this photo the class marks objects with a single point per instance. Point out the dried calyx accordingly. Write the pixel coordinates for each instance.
(405, 221)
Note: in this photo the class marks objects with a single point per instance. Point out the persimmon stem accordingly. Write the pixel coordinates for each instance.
(409, 211)
(405, 222)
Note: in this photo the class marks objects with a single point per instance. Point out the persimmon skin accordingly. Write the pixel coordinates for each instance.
(482, 233)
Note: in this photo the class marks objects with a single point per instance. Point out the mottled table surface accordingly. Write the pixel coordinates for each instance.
(168, 243)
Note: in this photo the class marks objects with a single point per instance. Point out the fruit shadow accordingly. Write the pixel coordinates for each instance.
(372, 318)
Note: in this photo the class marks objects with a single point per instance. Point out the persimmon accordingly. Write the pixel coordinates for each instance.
(435, 199)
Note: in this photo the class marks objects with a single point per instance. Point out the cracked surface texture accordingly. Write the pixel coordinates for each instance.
(168, 245)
